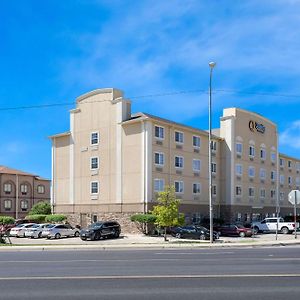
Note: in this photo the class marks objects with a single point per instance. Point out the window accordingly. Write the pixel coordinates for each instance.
(251, 191)
(178, 137)
(196, 165)
(239, 169)
(94, 138)
(273, 157)
(213, 146)
(297, 166)
(159, 158)
(251, 151)
(251, 171)
(24, 205)
(7, 188)
(159, 185)
(24, 189)
(7, 205)
(281, 162)
(214, 190)
(289, 164)
(273, 175)
(196, 188)
(281, 196)
(290, 180)
(196, 141)
(239, 148)
(262, 193)
(213, 167)
(94, 187)
(273, 194)
(41, 189)
(262, 174)
(297, 181)
(281, 179)
(159, 132)
(178, 187)
(178, 161)
(263, 154)
(238, 190)
(94, 163)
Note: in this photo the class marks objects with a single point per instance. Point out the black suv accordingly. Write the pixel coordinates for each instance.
(99, 230)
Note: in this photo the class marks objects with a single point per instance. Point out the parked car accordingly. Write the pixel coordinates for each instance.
(234, 230)
(193, 232)
(61, 230)
(270, 225)
(36, 231)
(19, 230)
(99, 230)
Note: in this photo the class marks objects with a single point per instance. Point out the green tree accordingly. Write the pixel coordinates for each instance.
(167, 211)
(41, 208)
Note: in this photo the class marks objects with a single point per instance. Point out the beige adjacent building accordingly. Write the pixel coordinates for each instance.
(19, 191)
(112, 163)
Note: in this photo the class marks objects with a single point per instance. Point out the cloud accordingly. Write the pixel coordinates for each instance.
(291, 135)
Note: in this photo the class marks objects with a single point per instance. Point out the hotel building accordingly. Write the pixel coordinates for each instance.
(19, 191)
(112, 164)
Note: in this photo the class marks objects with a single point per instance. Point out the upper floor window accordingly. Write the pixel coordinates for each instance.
(7, 205)
(262, 174)
(290, 180)
(238, 190)
(196, 141)
(213, 167)
(251, 171)
(178, 186)
(273, 175)
(94, 163)
(94, 138)
(289, 164)
(24, 205)
(297, 166)
(281, 162)
(196, 188)
(7, 188)
(262, 193)
(159, 132)
(273, 157)
(239, 148)
(178, 161)
(297, 181)
(263, 154)
(24, 189)
(41, 189)
(251, 151)
(159, 158)
(251, 191)
(281, 196)
(94, 187)
(281, 179)
(273, 194)
(239, 169)
(214, 190)
(196, 165)
(178, 137)
(159, 185)
(213, 146)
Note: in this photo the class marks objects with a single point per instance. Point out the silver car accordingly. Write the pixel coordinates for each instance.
(19, 230)
(37, 230)
(61, 230)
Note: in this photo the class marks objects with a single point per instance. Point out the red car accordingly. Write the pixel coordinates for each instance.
(234, 230)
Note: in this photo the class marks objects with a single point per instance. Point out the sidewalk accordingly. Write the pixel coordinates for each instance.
(144, 242)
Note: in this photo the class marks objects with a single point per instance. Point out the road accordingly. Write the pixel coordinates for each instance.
(229, 273)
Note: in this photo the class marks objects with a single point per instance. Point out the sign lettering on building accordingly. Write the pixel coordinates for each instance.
(254, 126)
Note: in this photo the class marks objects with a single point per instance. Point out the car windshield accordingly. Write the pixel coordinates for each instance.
(239, 226)
(202, 228)
(36, 226)
(50, 225)
(95, 225)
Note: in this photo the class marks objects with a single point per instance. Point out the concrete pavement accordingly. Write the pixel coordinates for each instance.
(142, 241)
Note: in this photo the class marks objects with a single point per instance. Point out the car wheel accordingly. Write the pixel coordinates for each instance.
(242, 234)
(97, 236)
(178, 235)
(202, 237)
(255, 230)
(117, 234)
(57, 236)
(39, 235)
(77, 234)
(284, 230)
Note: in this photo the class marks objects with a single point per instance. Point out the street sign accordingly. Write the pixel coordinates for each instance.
(294, 197)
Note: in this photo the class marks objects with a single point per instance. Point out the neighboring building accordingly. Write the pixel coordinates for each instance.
(112, 163)
(19, 191)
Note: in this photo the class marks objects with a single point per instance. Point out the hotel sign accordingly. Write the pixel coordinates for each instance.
(254, 126)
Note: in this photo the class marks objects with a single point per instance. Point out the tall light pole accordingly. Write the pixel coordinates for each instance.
(211, 66)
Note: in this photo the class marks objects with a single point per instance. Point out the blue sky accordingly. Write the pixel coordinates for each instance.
(52, 51)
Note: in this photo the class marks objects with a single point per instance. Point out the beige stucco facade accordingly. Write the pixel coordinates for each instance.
(113, 163)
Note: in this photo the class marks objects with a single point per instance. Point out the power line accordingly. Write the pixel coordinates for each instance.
(198, 91)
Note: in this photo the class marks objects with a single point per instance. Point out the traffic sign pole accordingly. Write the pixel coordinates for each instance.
(295, 214)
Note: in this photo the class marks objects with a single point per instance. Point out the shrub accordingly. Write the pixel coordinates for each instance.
(55, 218)
(36, 218)
(41, 208)
(6, 220)
(142, 221)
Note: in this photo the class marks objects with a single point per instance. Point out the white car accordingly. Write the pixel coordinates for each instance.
(61, 230)
(19, 230)
(37, 230)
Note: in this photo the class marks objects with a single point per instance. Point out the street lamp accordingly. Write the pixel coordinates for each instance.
(211, 66)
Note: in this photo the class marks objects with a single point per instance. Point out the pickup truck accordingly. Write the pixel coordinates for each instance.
(270, 224)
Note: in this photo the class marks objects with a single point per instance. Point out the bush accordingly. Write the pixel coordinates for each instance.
(55, 218)
(6, 220)
(142, 221)
(36, 218)
(41, 208)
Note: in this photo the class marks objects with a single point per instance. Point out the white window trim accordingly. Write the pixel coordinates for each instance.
(236, 167)
(252, 168)
(98, 138)
(263, 150)
(260, 195)
(41, 187)
(239, 152)
(163, 183)
(160, 154)
(196, 159)
(214, 171)
(273, 159)
(91, 168)
(157, 137)
(241, 194)
(179, 181)
(175, 162)
(198, 137)
(213, 146)
(198, 183)
(252, 147)
(178, 142)
(251, 187)
(214, 186)
(260, 173)
(91, 183)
